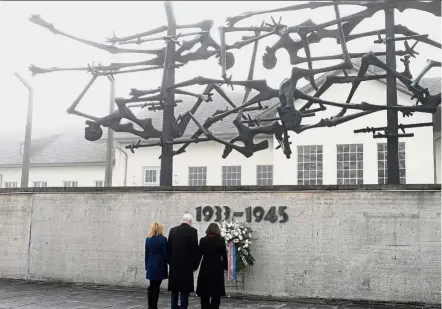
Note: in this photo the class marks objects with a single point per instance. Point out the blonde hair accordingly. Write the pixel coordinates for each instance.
(156, 228)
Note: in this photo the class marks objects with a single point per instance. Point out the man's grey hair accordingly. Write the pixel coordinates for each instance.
(187, 218)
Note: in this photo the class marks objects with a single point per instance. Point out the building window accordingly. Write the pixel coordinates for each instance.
(151, 176)
(99, 183)
(264, 175)
(382, 163)
(40, 184)
(231, 176)
(310, 165)
(70, 183)
(197, 175)
(11, 184)
(350, 164)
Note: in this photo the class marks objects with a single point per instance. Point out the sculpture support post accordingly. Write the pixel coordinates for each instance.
(166, 171)
(392, 118)
(28, 133)
(110, 138)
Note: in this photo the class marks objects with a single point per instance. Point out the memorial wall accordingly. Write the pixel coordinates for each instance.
(361, 244)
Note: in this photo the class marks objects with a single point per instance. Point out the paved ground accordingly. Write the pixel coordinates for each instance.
(39, 295)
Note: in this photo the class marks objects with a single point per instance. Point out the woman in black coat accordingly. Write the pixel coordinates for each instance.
(210, 286)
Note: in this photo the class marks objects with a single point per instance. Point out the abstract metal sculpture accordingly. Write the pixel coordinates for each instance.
(289, 117)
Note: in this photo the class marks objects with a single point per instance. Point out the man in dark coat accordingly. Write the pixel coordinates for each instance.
(183, 258)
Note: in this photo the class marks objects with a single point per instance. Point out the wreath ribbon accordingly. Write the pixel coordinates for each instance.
(231, 260)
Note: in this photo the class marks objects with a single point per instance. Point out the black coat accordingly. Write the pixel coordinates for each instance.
(214, 262)
(183, 258)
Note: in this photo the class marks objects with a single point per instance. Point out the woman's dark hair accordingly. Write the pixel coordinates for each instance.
(213, 229)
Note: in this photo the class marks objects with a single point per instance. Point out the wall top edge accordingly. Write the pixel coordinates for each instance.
(291, 188)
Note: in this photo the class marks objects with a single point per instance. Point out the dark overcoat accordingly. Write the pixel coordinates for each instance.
(155, 258)
(214, 262)
(183, 258)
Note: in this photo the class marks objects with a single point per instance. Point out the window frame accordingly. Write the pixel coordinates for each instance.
(229, 181)
(260, 179)
(39, 182)
(383, 162)
(346, 166)
(196, 181)
(73, 182)
(7, 184)
(155, 183)
(318, 172)
(97, 182)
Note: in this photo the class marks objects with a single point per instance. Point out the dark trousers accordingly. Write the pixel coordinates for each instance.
(184, 300)
(153, 293)
(210, 302)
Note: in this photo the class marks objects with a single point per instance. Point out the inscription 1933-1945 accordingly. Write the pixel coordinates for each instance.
(220, 213)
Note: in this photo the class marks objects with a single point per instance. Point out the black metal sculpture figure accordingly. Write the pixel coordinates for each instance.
(289, 117)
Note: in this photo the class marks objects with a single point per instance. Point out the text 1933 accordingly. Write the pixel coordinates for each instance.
(220, 213)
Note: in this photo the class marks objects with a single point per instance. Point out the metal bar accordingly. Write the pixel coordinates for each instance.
(110, 138)
(392, 117)
(139, 41)
(251, 69)
(262, 120)
(411, 37)
(28, 134)
(175, 142)
(404, 38)
(166, 172)
(113, 72)
(401, 126)
(397, 135)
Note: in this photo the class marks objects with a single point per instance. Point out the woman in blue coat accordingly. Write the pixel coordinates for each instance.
(155, 263)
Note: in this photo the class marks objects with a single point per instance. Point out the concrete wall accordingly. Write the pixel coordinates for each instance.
(15, 227)
(377, 245)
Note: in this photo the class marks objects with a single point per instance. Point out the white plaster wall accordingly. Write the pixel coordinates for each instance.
(418, 149)
(207, 154)
(55, 175)
(119, 170)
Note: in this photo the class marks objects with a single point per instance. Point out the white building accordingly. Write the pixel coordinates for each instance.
(64, 159)
(333, 155)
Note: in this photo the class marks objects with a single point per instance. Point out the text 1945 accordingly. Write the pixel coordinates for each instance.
(220, 213)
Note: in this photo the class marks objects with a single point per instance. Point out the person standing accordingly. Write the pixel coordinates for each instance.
(183, 258)
(155, 260)
(213, 252)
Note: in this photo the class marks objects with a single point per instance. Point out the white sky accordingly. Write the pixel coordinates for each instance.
(24, 43)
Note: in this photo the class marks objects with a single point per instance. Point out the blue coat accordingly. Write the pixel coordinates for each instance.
(155, 259)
